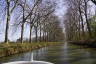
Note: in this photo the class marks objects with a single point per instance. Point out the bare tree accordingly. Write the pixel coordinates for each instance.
(9, 16)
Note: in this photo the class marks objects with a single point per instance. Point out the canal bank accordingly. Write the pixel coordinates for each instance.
(16, 48)
(85, 43)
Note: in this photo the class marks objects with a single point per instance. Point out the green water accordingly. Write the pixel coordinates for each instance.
(60, 54)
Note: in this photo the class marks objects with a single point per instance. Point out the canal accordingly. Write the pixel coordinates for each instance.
(60, 54)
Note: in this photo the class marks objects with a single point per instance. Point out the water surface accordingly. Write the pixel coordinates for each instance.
(60, 54)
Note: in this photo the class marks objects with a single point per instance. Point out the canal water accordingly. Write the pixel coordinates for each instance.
(60, 54)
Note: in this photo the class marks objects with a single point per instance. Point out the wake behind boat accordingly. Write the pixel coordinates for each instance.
(28, 62)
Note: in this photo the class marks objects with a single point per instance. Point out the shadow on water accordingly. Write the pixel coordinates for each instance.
(60, 54)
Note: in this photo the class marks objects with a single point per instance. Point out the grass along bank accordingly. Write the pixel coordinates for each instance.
(15, 48)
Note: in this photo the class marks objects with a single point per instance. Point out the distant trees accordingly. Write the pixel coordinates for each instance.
(50, 30)
(77, 23)
(53, 30)
(93, 25)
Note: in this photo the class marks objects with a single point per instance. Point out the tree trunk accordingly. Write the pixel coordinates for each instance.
(22, 31)
(94, 1)
(43, 36)
(36, 34)
(7, 23)
(22, 27)
(82, 24)
(88, 25)
(47, 36)
(30, 34)
(40, 33)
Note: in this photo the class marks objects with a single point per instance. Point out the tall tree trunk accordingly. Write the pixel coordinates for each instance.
(22, 31)
(82, 24)
(86, 17)
(40, 33)
(36, 31)
(36, 34)
(22, 27)
(7, 23)
(79, 35)
(43, 36)
(47, 36)
(30, 34)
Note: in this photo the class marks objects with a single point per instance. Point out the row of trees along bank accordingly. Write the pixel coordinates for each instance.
(80, 22)
(38, 15)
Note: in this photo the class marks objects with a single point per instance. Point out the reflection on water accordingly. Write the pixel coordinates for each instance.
(60, 54)
(65, 55)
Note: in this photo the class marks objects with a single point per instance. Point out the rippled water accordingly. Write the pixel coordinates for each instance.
(60, 54)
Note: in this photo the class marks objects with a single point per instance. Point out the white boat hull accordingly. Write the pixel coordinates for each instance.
(29, 62)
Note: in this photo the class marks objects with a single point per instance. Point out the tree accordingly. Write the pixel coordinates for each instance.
(94, 1)
(86, 17)
(77, 22)
(52, 29)
(40, 13)
(9, 12)
(27, 15)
